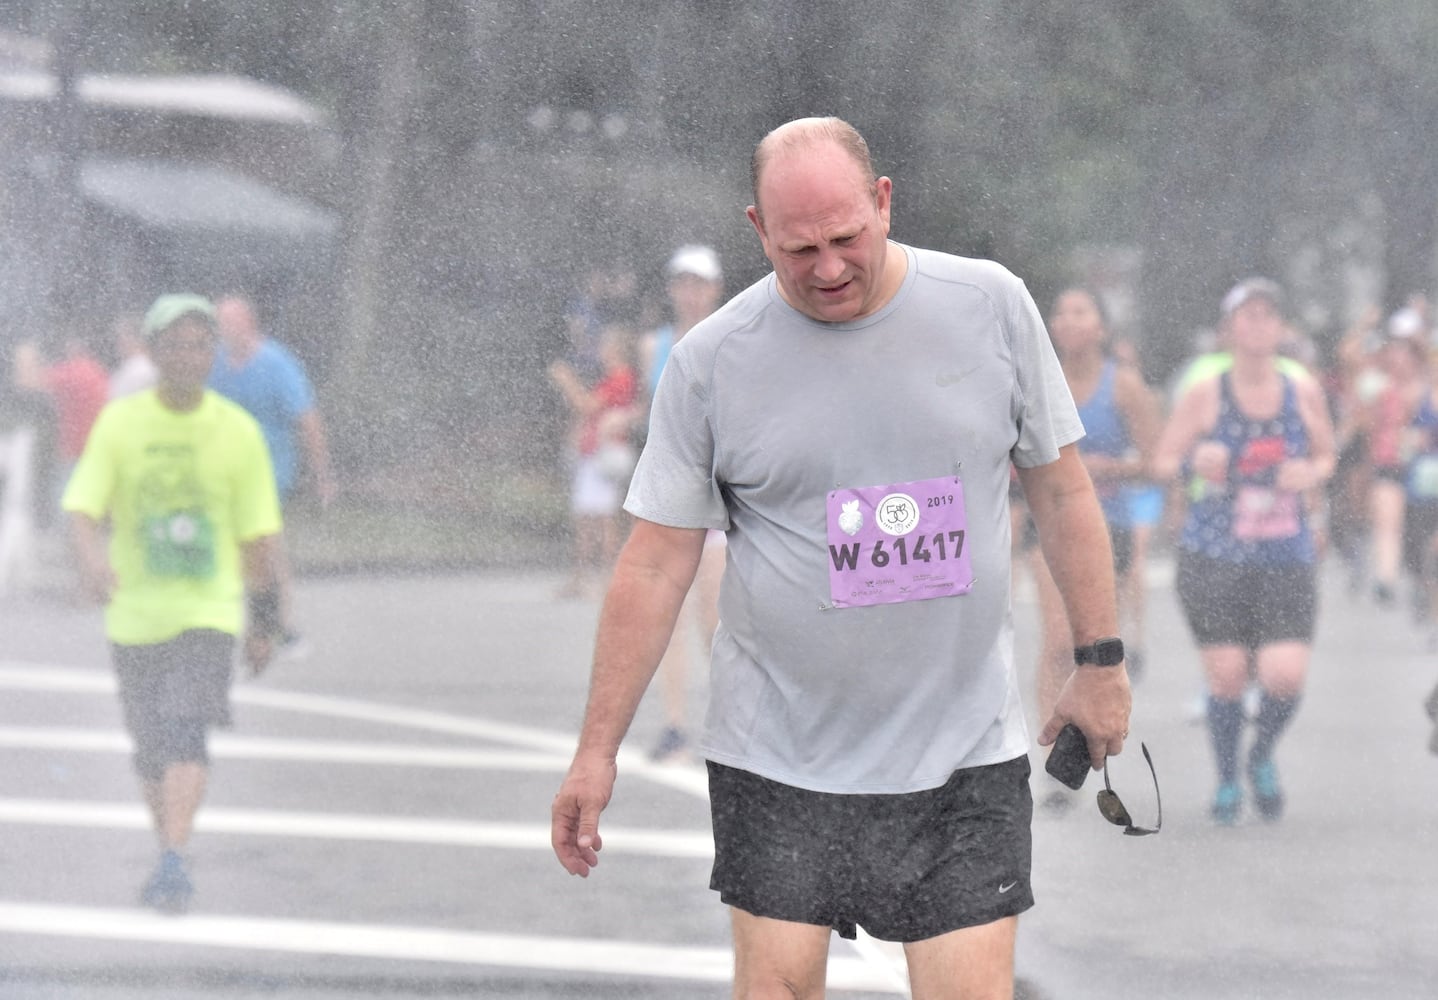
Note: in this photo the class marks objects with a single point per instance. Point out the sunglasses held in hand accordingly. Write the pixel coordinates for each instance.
(1113, 809)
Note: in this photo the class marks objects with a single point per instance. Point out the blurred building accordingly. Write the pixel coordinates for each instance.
(116, 187)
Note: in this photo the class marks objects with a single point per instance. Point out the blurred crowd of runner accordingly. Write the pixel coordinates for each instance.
(1356, 422)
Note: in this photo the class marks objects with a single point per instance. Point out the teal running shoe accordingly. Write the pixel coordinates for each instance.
(1267, 795)
(1227, 803)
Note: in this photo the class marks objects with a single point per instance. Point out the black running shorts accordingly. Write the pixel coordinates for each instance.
(1232, 604)
(905, 867)
(171, 693)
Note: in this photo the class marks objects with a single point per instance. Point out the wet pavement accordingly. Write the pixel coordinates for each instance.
(377, 825)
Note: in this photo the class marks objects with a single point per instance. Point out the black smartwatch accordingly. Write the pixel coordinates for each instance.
(1106, 652)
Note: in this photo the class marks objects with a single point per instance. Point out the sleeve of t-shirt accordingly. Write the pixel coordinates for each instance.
(92, 483)
(256, 508)
(1046, 414)
(674, 483)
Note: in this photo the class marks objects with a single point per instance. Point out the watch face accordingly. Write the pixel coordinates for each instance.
(1108, 652)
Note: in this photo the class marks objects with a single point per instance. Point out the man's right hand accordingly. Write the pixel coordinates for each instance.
(97, 579)
(574, 817)
(259, 651)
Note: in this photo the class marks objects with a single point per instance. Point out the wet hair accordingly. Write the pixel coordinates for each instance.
(1094, 297)
(805, 133)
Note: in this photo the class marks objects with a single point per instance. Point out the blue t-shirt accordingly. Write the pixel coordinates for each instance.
(273, 387)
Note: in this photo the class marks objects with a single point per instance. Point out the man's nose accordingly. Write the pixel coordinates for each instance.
(829, 267)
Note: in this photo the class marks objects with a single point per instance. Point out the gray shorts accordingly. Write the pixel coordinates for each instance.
(171, 693)
(905, 867)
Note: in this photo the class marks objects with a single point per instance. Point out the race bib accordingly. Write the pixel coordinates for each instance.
(904, 542)
(1263, 514)
(180, 543)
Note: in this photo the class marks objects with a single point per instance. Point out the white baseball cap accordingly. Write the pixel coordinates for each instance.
(1249, 289)
(1406, 322)
(700, 261)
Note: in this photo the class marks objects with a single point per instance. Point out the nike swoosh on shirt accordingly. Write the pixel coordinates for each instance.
(1007, 886)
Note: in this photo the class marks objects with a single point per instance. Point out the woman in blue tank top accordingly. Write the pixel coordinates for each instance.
(1261, 443)
(1121, 422)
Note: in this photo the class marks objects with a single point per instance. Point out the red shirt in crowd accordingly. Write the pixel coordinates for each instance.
(615, 391)
(80, 386)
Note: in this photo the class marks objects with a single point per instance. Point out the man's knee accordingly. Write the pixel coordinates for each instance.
(182, 741)
(778, 959)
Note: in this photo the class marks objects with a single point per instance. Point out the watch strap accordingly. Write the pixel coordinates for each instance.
(1105, 652)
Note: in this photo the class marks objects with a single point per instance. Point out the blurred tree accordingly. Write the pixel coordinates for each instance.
(489, 151)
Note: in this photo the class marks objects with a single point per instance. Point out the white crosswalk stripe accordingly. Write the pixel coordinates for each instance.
(412, 943)
(873, 966)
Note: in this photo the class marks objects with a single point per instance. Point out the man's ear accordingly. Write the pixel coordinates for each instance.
(757, 221)
(883, 199)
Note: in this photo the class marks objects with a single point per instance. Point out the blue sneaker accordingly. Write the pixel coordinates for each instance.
(292, 647)
(169, 888)
(1267, 795)
(1227, 803)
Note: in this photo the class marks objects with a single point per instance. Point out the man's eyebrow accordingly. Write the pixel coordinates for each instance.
(843, 234)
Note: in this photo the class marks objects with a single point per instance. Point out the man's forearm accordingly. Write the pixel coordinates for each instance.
(1081, 561)
(87, 536)
(259, 564)
(1075, 542)
(317, 451)
(635, 625)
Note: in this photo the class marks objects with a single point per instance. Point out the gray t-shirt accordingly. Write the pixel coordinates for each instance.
(760, 414)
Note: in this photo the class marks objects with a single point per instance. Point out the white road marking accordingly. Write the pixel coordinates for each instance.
(622, 958)
(226, 745)
(350, 826)
(690, 780)
(885, 959)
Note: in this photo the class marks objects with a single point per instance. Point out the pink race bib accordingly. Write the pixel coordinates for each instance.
(1263, 514)
(904, 542)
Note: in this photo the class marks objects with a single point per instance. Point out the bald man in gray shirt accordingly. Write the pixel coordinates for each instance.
(849, 421)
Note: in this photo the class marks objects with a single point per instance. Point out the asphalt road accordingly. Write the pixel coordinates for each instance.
(377, 826)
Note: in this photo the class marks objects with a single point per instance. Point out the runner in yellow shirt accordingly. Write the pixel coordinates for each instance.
(180, 480)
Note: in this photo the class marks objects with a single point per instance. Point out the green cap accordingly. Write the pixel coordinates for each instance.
(168, 308)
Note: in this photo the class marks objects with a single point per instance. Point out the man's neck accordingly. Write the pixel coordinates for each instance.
(241, 353)
(180, 399)
(896, 268)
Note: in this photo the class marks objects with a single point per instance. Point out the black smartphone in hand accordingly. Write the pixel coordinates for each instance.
(1068, 758)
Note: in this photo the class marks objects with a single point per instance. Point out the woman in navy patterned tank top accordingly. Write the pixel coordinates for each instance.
(1259, 443)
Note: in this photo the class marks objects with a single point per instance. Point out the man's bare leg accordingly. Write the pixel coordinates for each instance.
(974, 963)
(778, 959)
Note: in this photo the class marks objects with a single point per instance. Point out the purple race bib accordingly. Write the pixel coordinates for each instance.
(905, 542)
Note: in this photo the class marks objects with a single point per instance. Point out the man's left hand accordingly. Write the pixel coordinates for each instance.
(259, 651)
(1097, 700)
